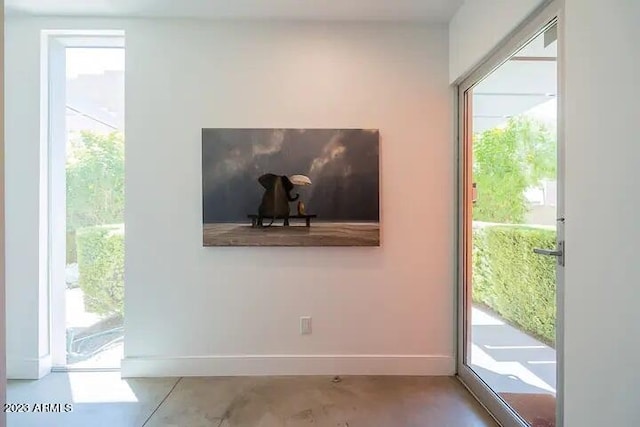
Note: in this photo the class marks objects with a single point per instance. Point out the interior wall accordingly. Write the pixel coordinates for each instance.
(217, 311)
(478, 26)
(3, 347)
(27, 332)
(602, 319)
(192, 310)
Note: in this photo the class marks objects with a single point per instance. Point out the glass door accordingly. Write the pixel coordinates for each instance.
(511, 220)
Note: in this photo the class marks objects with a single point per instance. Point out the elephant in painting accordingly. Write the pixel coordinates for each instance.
(277, 195)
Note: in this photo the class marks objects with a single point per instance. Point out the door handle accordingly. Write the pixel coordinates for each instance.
(558, 252)
(548, 252)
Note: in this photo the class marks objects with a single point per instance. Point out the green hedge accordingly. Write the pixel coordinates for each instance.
(512, 280)
(101, 268)
(72, 255)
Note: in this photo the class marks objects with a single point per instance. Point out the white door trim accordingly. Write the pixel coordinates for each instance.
(55, 43)
(551, 11)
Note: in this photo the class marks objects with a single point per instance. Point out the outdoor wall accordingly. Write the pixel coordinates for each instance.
(216, 311)
(478, 27)
(602, 315)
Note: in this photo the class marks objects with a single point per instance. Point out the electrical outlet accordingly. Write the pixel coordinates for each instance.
(305, 325)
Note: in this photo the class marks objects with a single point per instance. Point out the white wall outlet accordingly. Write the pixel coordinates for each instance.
(305, 325)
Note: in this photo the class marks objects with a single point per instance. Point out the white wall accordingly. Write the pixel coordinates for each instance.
(195, 310)
(602, 302)
(3, 353)
(207, 311)
(26, 327)
(478, 27)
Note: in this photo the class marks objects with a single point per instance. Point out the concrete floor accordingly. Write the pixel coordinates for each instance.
(103, 399)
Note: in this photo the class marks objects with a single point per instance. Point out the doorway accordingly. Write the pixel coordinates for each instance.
(511, 228)
(86, 150)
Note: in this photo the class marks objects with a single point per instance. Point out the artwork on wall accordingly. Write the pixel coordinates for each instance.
(290, 187)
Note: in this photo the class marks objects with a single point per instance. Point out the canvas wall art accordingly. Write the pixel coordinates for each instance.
(290, 187)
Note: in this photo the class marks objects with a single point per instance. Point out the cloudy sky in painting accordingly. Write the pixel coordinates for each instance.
(343, 166)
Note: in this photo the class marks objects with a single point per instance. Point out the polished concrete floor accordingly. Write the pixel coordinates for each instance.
(103, 399)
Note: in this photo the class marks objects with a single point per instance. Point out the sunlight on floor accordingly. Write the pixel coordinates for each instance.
(100, 387)
(509, 360)
(515, 375)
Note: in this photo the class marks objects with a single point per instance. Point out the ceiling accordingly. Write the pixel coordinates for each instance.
(374, 10)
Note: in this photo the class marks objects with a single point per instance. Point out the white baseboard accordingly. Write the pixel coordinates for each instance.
(261, 365)
(28, 368)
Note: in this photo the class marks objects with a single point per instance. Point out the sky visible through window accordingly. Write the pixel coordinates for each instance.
(93, 61)
(547, 112)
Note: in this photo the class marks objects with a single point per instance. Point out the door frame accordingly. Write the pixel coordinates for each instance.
(54, 44)
(548, 13)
